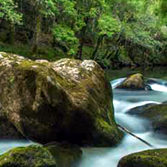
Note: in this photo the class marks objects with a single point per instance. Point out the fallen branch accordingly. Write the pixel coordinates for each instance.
(130, 133)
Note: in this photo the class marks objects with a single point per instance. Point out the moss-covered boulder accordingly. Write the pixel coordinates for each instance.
(65, 100)
(150, 158)
(133, 82)
(34, 156)
(66, 155)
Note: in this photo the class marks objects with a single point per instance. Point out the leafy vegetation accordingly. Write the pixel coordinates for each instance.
(114, 33)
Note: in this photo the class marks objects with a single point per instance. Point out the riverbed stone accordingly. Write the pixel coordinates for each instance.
(34, 156)
(156, 114)
(133, 82)
(149, 158)
(67, 100)
(65, 154)
(139, 110)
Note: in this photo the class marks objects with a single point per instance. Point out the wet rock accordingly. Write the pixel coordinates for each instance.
(150, 158)
(65, 154)
(34, 156)
(140, 109)
(157, 115)
(133, 82)
(65, 100)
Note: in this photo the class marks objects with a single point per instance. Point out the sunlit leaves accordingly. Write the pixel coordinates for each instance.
(8, 11)
(66, 37)
(108, 25)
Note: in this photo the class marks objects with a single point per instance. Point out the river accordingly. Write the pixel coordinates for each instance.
(123, 101)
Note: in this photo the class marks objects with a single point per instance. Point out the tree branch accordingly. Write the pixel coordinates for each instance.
(130, 133)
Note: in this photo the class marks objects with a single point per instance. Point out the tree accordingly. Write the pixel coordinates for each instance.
(9, 13)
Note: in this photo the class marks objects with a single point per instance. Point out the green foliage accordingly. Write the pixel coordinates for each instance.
(66, 37)
(8, 11)
(108, 28)
(108, 25)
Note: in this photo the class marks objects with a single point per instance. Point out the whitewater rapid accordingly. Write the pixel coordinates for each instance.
(123, 101)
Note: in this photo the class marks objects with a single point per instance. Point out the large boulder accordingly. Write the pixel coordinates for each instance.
(65, 154)
(66, 100)
(133, 82)
(34, 156)
(150, 158)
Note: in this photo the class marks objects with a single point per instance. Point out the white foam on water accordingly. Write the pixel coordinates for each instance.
(117, 82)
(158, 87)
(124, 106)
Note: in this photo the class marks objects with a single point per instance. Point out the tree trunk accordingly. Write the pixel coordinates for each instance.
(12, 34)
(130, 133)
(79, 55)
(99, 41)
(3, 18)
(37, 33)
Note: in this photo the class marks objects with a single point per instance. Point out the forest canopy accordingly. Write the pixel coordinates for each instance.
(114, 33)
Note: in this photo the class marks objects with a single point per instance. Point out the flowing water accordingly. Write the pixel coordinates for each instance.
(123, 101)
(6, 145)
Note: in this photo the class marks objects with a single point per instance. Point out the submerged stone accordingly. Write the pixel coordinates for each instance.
(67, 100)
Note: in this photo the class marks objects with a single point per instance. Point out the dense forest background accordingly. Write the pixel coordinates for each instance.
(115, 33)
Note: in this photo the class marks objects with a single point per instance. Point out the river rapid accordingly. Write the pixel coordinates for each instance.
(123, 101)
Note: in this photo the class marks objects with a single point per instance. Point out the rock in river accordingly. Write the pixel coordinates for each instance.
(34, 156)
(157, 114)
(134, 82)
(67, 100)
(150, 158)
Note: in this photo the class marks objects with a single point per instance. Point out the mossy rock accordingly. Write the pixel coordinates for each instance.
(133, 82)
(66, 155)
(150, 158)
(68, 100)
(34, 156)
(157, 114)
(139, 110)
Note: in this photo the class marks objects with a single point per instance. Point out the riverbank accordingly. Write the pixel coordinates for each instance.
(54, 53)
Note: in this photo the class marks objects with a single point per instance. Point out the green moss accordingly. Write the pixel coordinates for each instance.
(108, 131)
(34, 155)
(150, 158)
